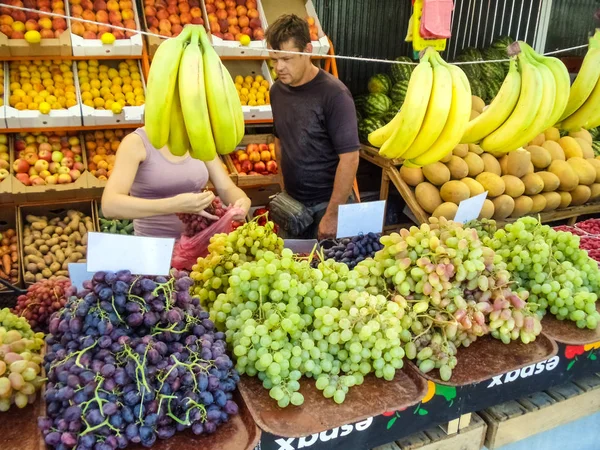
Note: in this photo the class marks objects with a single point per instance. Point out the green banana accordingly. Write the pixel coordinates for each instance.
(179, 143)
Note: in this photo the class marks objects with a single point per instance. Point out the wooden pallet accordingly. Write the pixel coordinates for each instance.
(469, 437)
(519, 419)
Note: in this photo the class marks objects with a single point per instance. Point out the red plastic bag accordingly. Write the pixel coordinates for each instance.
(187, 250)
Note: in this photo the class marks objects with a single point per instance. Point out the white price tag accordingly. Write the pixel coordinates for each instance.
(360, 218)
(78, 274)
(470, 208)
(140, 255)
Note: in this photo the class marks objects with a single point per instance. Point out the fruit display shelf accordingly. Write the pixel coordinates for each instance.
(23, 117)
(317, 414)
(302, 8)
(254, 161)
(253, 68)
(2, 107)
(8, 220)
(564, 332)
(85, 40)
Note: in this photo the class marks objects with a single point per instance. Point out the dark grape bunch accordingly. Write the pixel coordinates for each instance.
(42, 299)
(195, 223)
(354, 250)
(131, 360)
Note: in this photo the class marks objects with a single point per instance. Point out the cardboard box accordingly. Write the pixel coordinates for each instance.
(94, 47)
(48, 210)
(4, 69)
(153, 41)
(51, 192)
(234, 48)
(60, 46)
(8, 219)
(302, 8)
(129, 114)
(70, 117)
(252, 68)
(256, 180)
(6, 184)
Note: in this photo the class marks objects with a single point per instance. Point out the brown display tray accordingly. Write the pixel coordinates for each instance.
(19, 429)
(375, 396)
(488, 357)
(566, 332)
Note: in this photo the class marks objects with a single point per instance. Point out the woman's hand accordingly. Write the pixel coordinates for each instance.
(242, 203)
(195, 203)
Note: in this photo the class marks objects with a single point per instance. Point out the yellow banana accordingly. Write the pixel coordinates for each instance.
(460, 112)
(544, 114)
(588, 115)
(525, 111)
(417, 93)
(193, 101)
(223, 107)
(179, 143)
(588, 77)
(238, 114)
(161, 86)
(499, 110)
(561, 79)
(437, 110)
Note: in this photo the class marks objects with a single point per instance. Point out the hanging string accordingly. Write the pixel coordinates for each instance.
(287, 52)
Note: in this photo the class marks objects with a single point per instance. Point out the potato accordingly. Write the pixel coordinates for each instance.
(582, 134)
(539, 139)
(595, 191)
(475, 149)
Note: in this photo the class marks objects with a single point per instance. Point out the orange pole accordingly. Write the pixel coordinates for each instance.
(145, 61)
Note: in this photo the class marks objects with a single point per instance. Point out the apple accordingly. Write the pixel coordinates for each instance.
(246, 166)
(20, 166)
(76, 149)
(67, 162)
(52, 179)
(78, 165)
(32, 171)
(4, 164)
(62, 170)
(252, 148)
(4, 174)
(74, 174)
(45, 154)
(265, 155)
(56, 147)
(68, 154)
(53, 167)
(263, 147)
(23, 178)
(254, 157)
(243, 157)
(73, 140)
(37, 181)
(44, 174)
(41, 165)
(64, 178)
(57, 156)
(45, 147)
(20, 145)
(4, 157)
(78, 158)
(260, 166)
(272, 166)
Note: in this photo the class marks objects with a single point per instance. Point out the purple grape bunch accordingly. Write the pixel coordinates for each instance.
(133, 359)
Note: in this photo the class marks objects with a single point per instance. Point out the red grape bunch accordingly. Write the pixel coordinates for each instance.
(195, 223)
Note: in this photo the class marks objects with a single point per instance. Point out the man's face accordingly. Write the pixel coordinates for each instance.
(290, 68)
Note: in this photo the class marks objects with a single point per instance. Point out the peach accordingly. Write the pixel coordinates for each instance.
(232, 20)
(247, 31)
(231, 12)
(45, 24)
(162, 14)
(185, 18)
(77, 28)
(57, 33)
(172, 10)
(165, 33)
(58, 23)
(241, 10)
(87, 4)
(223, 25)
(197, 12)
(91, 27)
(5, 19)
(89, 15)
(130, 24)
(104, 29)
(76, 10)
(228, 37)
(254, 23)
(58, 4)
(100, 5)
(243, 21)
(251, 4)
(174, 19)
(32, 16)
(234, 29)
(258, 34)
(230, 3)
(19, 35)
(46, 34)
(127, 14)
(152, 22)
(31, 25)
(114, 17)
(210, 9)
(20, 16)
(176, 29)
(118, 34)
(112, 5)
(165, 25)
(220, 4)
(217, 34)
(253, 13)
(184, 7)
(197, 21)
(221, 14)
(153, 30)
(125, 4)
(102, 16)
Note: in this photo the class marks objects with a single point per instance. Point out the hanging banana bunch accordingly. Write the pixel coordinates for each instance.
(191, 101)
(434, 115)
(583, 108)
(532, 98)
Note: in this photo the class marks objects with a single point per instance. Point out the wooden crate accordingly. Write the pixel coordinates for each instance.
(8, 219)
(244, 181)
(519, 419)
(470, 437)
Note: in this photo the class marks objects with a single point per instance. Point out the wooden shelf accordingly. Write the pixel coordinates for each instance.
(67, 58)
(80, 128)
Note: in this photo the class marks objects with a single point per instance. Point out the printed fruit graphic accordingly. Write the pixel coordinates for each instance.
(312, 28)
(255, 159)
(253, 91)
(232, 19)
(41, 85)
(16, 24)
(47, 158)
(101, 147)
(103, 86)
(114, 12)
(168, 18)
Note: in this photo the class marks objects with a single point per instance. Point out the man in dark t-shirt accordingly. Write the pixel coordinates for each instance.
(315, 127)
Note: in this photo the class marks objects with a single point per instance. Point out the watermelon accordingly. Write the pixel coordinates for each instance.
(396, 106)
(377, 105)
(398, 92)
(472, 71)
(359, 102)
(478, 88)
(494, 53)
(400, 72)
(595, 132)
(472, 54)
(492, 86)
(358, 115)
(379, 84)
(596, 147)
(388, 116)
(367, 126)
(502, 42)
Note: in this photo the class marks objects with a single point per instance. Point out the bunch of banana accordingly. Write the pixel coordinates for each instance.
(433, 117)
(532, 98)
(191, 101)
(583, 109)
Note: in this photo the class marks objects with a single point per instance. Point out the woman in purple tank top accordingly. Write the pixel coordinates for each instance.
(150, 186)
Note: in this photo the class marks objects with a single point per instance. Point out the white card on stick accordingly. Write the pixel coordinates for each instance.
(360, 218)
(470, 208)
(140, 255)
(78, 274)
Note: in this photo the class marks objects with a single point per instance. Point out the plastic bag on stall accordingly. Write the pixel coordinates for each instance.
(187, 250)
